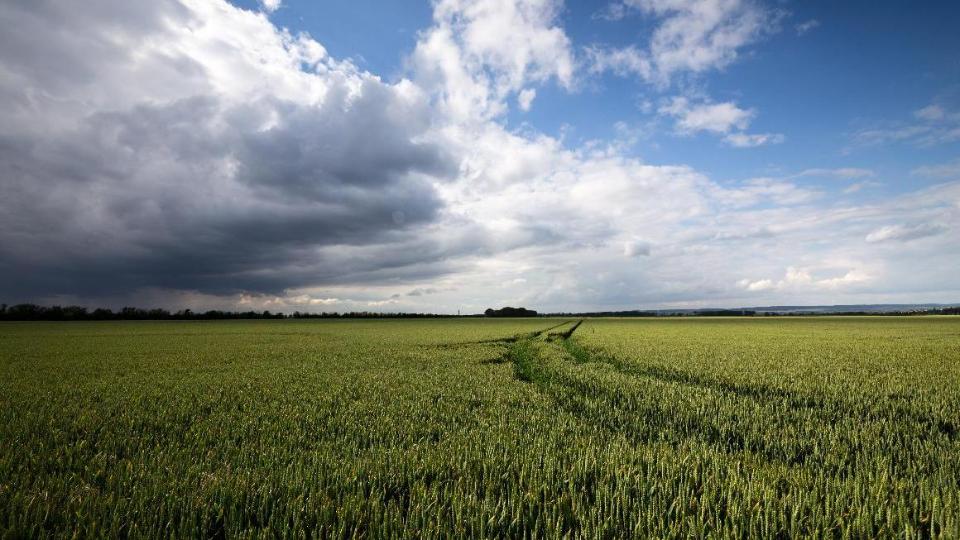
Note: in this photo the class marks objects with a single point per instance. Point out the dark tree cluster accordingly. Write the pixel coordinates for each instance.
(510, 312)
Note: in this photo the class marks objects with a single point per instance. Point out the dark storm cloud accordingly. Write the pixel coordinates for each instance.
(201, 192)
(161, 197)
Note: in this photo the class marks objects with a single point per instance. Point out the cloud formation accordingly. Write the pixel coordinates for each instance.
(932, 125)
(725, 119)
(803, 279)
(192, 154)
(229, 168)
(270, 5)
(904, 233)
(690, 36)
(806, 26)
(479, 52)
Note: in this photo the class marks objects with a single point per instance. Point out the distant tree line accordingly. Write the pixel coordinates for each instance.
(371, 315)
(34, 312)
(663, 313)
(631, 313)
(895, 313)
(944, 311)
(752, 313)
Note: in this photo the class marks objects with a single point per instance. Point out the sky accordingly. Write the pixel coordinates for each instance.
(454, 155)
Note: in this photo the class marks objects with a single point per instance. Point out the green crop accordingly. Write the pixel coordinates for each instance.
(746, 427)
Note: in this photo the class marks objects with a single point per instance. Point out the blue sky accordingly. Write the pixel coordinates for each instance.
(450, 155)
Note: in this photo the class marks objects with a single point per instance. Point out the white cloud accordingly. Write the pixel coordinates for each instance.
(806, 26)
(693, 37)
(748, 140)
(932, 125)
(904, 233)
(852, 277)
(301, 299)
(270, 5)
(802, 279)
(689, 36)
(764, 190)
(931, 113)
(477, 53)
(860, 186)
(525, 98)
(623, 61)
(950, 171)
(613, 11)
(759, 285)
(843, 173)
(715, 117)
(722, 118)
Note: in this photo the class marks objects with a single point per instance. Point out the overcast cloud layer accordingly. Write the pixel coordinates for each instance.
(192, 154)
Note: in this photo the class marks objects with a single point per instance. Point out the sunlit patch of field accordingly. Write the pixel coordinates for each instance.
(783, 427)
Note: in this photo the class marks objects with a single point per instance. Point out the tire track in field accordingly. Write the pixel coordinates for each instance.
(881, 409)
(580, 397)
(585, 396)
(502, 341)
(568, 392)
(517, 342)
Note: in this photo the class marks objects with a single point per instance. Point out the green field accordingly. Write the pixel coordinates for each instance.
(778, 427)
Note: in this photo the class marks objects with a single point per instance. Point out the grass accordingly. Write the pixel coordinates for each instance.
(809, 427)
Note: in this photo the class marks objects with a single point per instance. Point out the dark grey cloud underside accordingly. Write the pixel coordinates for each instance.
(305, 187)
(198, 193)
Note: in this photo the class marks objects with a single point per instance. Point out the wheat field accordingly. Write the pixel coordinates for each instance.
(842, 427)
